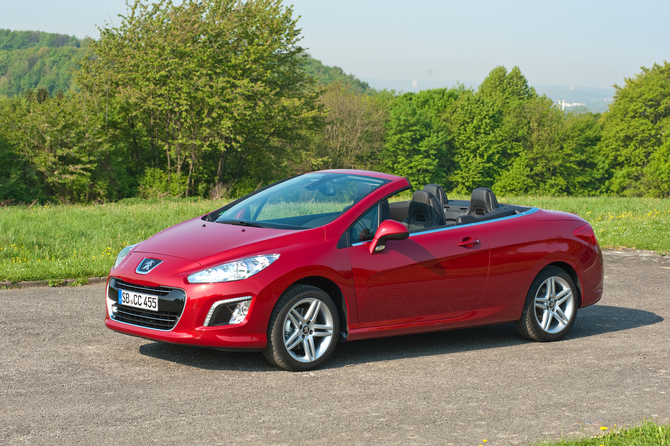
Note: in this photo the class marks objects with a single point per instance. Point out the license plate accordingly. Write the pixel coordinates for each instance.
(138, 300)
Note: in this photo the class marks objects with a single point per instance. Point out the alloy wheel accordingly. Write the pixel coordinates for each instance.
(308, 330)
(554, 304)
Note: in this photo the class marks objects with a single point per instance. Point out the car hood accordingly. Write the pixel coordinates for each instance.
(207, 242)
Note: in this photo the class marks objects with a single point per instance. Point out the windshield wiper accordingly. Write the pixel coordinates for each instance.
(244, 223)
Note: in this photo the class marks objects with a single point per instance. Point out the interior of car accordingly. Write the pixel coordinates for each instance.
(430, 208)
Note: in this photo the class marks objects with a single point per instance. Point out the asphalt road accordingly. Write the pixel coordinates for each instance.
(66, 379)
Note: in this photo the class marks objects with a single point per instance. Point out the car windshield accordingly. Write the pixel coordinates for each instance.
(306, 201)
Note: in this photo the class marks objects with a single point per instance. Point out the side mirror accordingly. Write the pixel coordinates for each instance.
(387, 230)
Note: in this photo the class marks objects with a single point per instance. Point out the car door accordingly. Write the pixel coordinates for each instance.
(435, 274)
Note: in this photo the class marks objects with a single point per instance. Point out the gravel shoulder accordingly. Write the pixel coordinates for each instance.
(66, 379)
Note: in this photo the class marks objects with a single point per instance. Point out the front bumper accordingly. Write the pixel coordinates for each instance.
(187, 326)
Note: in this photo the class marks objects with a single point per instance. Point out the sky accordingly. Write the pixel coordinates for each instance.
(588, 43)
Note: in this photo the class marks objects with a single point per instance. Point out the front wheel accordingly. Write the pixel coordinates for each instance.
(551, 306)
(303, 329)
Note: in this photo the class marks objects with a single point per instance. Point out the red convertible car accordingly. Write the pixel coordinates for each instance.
(333, 256)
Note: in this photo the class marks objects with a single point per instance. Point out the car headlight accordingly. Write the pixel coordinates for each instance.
(122, 255)
(237, 270)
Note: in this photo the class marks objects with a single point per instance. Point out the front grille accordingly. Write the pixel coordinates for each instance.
(171, 303)
(160, 320)
(156, 290)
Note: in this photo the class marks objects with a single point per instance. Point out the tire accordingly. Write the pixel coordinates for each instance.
(303, 329)
(551, 306)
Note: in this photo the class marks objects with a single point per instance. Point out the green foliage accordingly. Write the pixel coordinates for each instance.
(515, 142)
(501, 84)
(636, 137)
(493, 134)
(352, 135)
(56, 147)
(481, 147)
(155, 183)
(217, 86)
(21, 40)
(554, 152)
(326, 75)
(31, 59)
(418, 141)
(216, 98)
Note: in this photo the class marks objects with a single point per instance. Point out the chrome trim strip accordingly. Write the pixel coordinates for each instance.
(147, 290)
(216, 305)
(448, 228)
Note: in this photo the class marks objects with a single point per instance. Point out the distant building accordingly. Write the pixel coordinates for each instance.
(564, 104)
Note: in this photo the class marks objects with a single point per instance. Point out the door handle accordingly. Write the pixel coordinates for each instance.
(468, 243)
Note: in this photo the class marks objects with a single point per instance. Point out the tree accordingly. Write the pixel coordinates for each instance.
(54, 146)
(417, 139)
(515, 142)
(512, 85)
(352, 135)
(485, 151)
(636, 134)
(554, 152)
(481, 148)
(216, 85)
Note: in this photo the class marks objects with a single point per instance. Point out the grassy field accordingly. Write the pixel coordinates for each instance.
(647, 434)
(70, 242)
(642, 223)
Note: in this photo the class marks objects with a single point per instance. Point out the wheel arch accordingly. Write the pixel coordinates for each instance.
(573, 275)
(335, 293)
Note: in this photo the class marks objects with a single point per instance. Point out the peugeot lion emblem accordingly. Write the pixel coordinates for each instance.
(146, 265)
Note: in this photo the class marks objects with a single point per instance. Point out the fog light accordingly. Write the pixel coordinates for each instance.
(228, 312)
(240, 312)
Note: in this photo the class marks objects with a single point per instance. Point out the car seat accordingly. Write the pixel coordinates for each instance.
(424, 212)
(482, 202)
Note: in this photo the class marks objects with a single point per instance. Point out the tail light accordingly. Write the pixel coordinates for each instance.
(586, 233)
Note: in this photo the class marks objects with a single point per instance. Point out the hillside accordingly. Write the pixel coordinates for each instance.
(21, 40)
(31, 59)
(326, 75)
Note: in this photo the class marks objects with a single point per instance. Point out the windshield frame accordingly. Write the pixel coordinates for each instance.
(326, 176)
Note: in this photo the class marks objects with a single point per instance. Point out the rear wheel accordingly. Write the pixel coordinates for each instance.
(303, 329)
(551, 306)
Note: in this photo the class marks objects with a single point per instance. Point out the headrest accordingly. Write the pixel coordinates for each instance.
(439, 193)
(482, 202)
(362, 190)
(421, 196)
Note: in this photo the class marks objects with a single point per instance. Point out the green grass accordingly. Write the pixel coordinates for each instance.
(71, 242)
(647, 434)
(642, 223)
